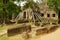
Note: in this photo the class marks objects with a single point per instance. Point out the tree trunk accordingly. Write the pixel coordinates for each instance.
(3, 16)
(13, 16)
(4, 12)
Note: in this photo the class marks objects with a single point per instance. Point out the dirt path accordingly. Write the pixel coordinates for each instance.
(52, 36)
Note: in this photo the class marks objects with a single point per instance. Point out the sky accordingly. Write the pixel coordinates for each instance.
(22, 3)
(37, 0)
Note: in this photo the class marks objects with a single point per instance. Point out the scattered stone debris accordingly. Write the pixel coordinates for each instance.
(18, 30)
(28, 31)
(46, 30)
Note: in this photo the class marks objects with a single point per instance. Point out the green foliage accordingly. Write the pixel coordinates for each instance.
(10, 8)
(30, 4)
(13, 8)
(4, 37)
(53, 4)
(37, 24)
(1, 5)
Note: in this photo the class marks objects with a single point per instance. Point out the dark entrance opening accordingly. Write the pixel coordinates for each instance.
(48, 15)
(42, 14)
(53, 15)
(24, 15)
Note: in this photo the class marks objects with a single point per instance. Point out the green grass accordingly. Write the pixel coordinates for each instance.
(4, 37)
(3, 28)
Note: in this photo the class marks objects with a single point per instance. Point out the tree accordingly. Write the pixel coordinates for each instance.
(12, 10)
(53, 4)
(7, 8)
(4, 11)
(1, 6)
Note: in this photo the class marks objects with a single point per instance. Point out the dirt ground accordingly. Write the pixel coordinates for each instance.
(51, 36)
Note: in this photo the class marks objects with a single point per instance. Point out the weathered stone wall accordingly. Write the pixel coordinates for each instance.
(45, 10)
(48, 14)
(18, 30)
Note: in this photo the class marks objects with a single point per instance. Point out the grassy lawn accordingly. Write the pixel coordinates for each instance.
(5, 27)
(4, 37)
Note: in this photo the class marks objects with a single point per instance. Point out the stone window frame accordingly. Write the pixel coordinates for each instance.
(54, 15)
(48, 15)
(24, 14)
(42, 14)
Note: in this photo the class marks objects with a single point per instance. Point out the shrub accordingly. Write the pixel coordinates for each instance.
(37, 24)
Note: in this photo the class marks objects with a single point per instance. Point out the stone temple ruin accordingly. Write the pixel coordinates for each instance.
(44, 16)
(49, 15)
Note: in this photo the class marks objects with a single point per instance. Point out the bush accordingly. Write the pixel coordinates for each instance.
(37, 24)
